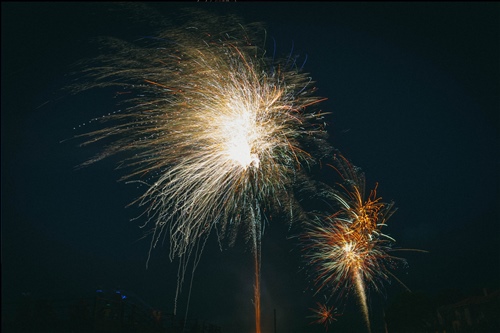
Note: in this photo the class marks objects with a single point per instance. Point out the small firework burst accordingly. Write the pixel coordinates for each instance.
(324, 315)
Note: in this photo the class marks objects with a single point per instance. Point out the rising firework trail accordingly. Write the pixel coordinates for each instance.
(346, 250)
(216, 131)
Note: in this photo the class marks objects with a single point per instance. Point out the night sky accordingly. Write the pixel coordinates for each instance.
(413, 91)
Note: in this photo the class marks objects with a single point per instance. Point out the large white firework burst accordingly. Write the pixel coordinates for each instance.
(216, 131)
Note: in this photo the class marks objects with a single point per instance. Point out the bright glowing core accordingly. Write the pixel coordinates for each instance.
(241, 140)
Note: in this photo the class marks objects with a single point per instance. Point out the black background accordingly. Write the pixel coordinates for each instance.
(413, 91)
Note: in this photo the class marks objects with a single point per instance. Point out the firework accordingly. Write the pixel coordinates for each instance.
(347, 249)
(324, 315)
(214, 130)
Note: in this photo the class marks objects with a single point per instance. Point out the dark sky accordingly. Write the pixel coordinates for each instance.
(413, 91)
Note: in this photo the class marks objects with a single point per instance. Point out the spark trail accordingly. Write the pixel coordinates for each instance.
(214, 130)
(257, 263)
(360, 290)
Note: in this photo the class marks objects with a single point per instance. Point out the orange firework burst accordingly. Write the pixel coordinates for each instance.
(324, 315)
(347, 249)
